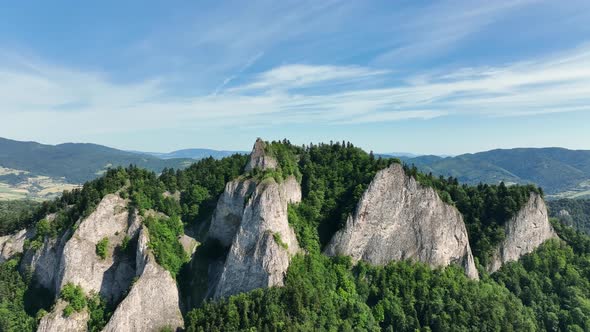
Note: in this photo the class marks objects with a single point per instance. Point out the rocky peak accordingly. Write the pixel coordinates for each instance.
(398, 218)
(80, 265)
(259, 158)
(262, 242)
(153, 301)
(13, 244)
(527, 230)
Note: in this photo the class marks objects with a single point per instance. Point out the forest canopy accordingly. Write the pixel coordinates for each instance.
(547, 289)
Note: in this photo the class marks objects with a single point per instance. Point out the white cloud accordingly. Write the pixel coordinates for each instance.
(37, 97)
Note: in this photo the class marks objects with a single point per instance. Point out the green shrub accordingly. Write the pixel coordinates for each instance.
(102, 248)
(164, 233)
(75, 297)
(99, 314)
(279, 241)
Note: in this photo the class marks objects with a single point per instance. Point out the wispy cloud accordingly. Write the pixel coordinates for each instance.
(298, 75)
(232, 77)
(428, 31)
(36, 96)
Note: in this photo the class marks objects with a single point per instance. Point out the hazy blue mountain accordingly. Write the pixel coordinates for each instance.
(194, 154)
(74, 162)
(556, 170)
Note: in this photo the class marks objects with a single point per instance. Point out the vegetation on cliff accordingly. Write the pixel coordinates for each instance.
(547, 289)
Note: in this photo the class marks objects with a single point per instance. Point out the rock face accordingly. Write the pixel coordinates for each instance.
(55, 321)
(230, 208)
(264, 242)
(153, 302)
(524, 232)
(44, 261)
(259, 159)
(397, 219)
(251, 219)
(11, 245)
(80, 265)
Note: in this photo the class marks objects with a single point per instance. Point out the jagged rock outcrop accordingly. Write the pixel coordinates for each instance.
(13, 244)
(55, 320)
(397, 219)
(43, 262)
(80, 265)
(153, 301)
(259, 158)
(264, 242)
(251, 219)
(230, 209)
(527, 230)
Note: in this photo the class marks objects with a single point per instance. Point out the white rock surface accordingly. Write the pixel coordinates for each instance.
(259, 159)
(397, 219)
(81, 265)
(256, 259)
(524, 232)
(230, 208)
(56, 322)
(12, 244)
(43, 263)
(153, 302)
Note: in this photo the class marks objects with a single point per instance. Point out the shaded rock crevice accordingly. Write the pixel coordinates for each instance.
(153, 302)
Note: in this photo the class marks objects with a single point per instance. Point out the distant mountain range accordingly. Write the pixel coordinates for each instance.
(40, 171)
(560, 172)
(194, 154)
(74, 162)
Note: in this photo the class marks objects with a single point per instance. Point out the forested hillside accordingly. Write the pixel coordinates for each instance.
(558, 171)
(15, 215)
(572, 212)
(546, 290)
(74, 162)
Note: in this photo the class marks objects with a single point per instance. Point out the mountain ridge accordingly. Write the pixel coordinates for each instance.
(559, 171)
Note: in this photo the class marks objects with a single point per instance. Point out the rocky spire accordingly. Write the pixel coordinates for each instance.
(259, 158)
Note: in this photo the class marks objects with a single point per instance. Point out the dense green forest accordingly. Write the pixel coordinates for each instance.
(15, 215)
(578, 212)
(546, 290)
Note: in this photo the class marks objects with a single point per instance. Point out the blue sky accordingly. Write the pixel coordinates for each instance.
(443, 77)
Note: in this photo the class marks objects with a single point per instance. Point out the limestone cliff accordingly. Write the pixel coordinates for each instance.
(251, 219)
(80, 265)
(55, 320)
(264, 242)
(259, 158)
(230, 208)
(12, 244)
(397, 219)
(527, 230)
(43, 262)
(153, 302)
